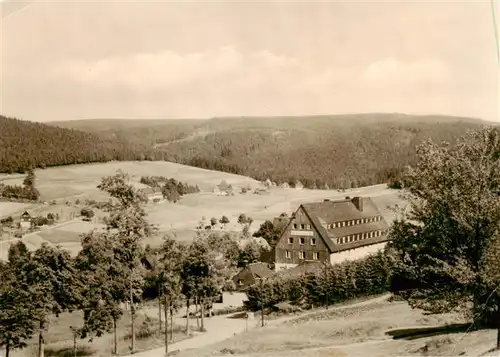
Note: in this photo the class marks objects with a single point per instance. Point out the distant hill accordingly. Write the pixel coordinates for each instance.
(336, 150)
(26, 145)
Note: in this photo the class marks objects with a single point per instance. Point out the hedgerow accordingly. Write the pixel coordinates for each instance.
(328, 284)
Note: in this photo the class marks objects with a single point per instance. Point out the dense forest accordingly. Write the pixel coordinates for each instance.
(27, 145)
(339, 151)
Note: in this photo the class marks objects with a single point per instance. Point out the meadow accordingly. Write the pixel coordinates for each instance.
(63, 186)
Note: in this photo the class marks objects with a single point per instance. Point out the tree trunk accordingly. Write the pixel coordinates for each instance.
(159, 308)
(132, 318)
(74, 344)
(165, 310)
(202, 326)
(187, 316)
(40, 342)
(196, 302)
(115, 338)
(497, 320)
(7, 350)
(171, 323)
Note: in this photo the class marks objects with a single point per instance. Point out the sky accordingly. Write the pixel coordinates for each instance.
(66, 60)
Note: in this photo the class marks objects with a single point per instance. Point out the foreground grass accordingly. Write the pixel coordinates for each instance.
(59, 338)
(353, 331)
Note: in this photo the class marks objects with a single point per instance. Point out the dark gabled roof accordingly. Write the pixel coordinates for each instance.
(223, 185)
(360, 243)
(321, 230)
(342, 210)
(260, 270)
(26, 214)
(358, 228)
(150, 190)
(305, 268)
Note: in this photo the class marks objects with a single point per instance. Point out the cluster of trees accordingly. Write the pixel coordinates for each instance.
(326, 285)
(271, 231)
(28, 145)
(446, 246)
(110, 271)
(172, 189)
(26, 191)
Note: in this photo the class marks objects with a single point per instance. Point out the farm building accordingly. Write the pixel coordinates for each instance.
(223, 189)
(268, 184)
(152, 194)
(248, 276)
(331, 231)
(261, 191)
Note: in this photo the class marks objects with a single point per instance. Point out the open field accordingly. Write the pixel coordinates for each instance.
(80, 181)
(356, 331)
(59, 338)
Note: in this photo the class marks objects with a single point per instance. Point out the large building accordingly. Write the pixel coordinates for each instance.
(331, 231)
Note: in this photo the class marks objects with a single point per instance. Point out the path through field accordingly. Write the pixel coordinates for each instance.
(220, 328)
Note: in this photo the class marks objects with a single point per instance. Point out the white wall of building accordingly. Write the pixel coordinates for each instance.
(357, 253)
(282, 266)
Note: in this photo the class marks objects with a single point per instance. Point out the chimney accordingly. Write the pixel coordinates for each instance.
(358, 202)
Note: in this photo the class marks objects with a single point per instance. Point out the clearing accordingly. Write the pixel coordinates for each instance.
(67, 184)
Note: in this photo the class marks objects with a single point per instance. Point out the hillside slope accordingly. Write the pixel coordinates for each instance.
(26, 144)
(339, 150)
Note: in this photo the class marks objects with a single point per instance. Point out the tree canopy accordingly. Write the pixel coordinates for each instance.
(440, 243)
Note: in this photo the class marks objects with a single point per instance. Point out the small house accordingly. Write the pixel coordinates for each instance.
(299, 185)
(248, 276)
(152, 193)
(285, 185)
(26, 217)
(223, 189)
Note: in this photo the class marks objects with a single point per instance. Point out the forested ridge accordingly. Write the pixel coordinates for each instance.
(27, 145)
(320, 151)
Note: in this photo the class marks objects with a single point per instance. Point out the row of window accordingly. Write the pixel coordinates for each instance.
(353, 222)
(302, 241)
(302, 226)
(302, 255)
(360, 236)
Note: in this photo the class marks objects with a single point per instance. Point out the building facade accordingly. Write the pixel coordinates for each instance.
(331, 231)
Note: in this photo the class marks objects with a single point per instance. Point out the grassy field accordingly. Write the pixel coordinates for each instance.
(59, 338)
(69, 183)
(357, 331)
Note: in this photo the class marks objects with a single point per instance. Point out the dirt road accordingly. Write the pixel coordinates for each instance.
(220, 328)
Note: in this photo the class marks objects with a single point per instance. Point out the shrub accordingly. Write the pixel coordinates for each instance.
(7, 221)
(87, 213)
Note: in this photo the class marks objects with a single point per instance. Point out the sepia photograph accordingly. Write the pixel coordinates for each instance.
(249, 178)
